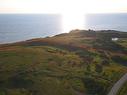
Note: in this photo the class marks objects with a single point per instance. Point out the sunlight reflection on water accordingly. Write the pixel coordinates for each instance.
(73, 21)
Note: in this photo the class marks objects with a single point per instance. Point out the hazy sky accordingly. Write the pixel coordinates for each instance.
(62, 6)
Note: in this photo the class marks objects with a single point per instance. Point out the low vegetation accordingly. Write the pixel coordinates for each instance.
(79, 62)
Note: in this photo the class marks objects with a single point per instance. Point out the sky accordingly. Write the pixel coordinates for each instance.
(63, 6)
(72, 11)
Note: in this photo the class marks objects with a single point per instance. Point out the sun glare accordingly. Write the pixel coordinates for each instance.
(58, 6)
(73, 21)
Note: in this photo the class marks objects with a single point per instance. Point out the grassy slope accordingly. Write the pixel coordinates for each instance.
(36, 68)
(62, 65)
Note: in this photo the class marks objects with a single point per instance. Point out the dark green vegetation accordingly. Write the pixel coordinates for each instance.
(75, 63)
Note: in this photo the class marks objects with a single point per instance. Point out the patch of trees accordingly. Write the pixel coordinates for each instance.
(98, 68)
(95, 87)
(120, 59)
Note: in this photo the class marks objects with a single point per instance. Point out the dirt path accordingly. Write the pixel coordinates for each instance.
(118, 85)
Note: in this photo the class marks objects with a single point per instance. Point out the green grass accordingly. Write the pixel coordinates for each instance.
(38, 68)
(45, 69)
(55, 70)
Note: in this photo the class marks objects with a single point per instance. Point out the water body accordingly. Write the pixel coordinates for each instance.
(19, 27)
(107, 21)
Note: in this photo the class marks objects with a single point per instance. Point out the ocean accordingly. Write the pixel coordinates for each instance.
(107, 21)
(20, 27)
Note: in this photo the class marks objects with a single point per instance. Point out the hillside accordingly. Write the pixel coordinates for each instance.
(79, 62)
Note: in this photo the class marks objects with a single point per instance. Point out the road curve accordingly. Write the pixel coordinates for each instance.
(118, 85)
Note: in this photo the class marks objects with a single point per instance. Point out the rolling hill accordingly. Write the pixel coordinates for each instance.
(81, 62)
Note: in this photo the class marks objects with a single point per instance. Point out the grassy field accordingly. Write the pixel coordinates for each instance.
(66, 64)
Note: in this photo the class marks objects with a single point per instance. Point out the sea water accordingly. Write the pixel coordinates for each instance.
(20, 27)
